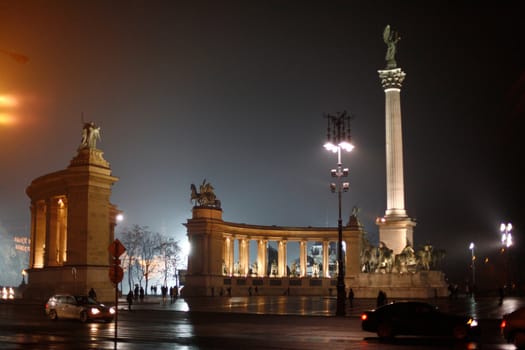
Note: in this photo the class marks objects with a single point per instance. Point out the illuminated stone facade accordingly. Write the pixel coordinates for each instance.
(72, 225)
(212, 269)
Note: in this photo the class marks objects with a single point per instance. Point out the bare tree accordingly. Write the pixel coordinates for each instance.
(170, 257)
(148, 254)
(130, 239)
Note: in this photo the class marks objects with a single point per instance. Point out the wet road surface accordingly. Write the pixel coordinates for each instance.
(236, 323)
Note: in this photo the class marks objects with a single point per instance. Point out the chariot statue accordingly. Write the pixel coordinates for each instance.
(206, 197)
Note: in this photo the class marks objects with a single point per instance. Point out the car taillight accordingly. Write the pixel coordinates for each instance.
(503, 324)
(364, 317)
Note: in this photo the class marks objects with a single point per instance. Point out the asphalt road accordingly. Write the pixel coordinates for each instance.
(236, 323)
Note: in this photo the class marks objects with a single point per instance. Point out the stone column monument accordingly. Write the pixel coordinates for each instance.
(395, 228)
(72, 225)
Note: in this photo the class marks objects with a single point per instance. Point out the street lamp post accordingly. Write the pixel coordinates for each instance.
(338, 138)
(473, 264)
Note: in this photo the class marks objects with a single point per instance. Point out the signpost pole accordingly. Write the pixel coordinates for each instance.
(115, 266)
(116, 249)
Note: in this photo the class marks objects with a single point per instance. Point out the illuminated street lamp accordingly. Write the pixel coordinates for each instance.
(506, 242)
(338, 138)
(473, 263)
(506, 235)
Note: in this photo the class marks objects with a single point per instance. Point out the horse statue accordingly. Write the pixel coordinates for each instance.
(425, 257)
(206, 197)
(386, 258)
(369, 256)
(406, 261)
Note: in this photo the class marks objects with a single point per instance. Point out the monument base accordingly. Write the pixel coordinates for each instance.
(396, 232)
(419, 285)
(42, 283)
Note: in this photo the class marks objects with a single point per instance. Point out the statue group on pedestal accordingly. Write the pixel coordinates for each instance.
(90, 135)
(381, 259)
(206, 197)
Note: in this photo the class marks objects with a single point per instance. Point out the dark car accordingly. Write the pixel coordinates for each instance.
(417, 318)
(513, 327)
(80, 307)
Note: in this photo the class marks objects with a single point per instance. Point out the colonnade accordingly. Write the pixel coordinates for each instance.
(243, 266)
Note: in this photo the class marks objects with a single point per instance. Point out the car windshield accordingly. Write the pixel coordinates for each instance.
(85, 300)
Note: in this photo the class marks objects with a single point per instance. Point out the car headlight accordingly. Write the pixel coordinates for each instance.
(95, 311)
(472, 322)
(112, 310)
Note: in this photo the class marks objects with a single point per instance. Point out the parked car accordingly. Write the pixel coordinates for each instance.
(513, 327)
(79, 307)
(417, 318)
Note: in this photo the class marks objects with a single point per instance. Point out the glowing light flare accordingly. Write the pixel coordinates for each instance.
(7, 119)
(347, 146)
(8, 101)
(185, 248)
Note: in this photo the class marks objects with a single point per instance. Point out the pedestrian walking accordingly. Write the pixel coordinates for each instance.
(381, 298)
(92, 294)
(141, 294)
(351, 297)
(129, 299)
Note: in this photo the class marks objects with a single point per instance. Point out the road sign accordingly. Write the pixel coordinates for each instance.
(116, 248)
(116, 274)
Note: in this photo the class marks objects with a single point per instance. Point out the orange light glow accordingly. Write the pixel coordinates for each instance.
(364, 317)
(8, 101)
(6, 119)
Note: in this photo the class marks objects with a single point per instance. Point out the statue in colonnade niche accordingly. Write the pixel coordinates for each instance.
(293, 270)
(315, 270)
(273, 270)
(254, 270)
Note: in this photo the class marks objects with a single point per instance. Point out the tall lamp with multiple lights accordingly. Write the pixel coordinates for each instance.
(506, 242)
(338, 138)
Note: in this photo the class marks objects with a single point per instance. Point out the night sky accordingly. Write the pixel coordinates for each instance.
(234, 92)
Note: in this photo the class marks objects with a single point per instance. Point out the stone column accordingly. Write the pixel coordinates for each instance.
(281, 264)
(326, 268)
(395, 229)
(302, 257)
(227, 255)
(243, 256)
(262, 260)
(391, 81)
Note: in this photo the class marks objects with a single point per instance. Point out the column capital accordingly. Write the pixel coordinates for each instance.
(391, 78)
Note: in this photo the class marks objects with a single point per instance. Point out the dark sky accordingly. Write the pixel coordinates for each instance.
(234, 92)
